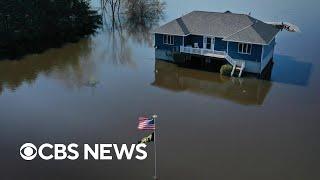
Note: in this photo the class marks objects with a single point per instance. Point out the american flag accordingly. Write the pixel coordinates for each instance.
(146, 124)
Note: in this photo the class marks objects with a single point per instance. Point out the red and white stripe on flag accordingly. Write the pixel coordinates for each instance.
(146, 124)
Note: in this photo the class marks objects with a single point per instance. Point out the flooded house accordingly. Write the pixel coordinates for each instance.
(244, 42)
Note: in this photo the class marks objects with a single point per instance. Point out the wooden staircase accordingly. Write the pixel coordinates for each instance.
(238, 66)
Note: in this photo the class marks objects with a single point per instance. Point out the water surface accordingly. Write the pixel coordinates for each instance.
(210, 127)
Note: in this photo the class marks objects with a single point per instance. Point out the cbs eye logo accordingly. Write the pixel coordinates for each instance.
(28, 151)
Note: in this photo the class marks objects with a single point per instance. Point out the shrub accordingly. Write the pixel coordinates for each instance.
(226, 69)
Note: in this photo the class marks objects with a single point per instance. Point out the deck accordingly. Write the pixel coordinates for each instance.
(237, 64)
(203, 52)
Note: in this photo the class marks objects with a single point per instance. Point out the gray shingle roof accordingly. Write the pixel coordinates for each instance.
(230, 26)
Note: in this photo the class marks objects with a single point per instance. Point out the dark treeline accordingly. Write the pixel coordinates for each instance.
(127, 19)
(35, 25)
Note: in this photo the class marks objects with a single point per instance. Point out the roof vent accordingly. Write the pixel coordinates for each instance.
(228, 12)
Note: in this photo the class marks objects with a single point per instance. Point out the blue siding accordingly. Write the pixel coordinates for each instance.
(267, 54)
(178, 40)
(220, 45)
(254, 56)
(191, 39)
(267, 49)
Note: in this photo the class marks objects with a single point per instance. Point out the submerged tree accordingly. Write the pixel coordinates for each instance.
(136, 17)
(141, 16)
(114, 7)
(129, 18)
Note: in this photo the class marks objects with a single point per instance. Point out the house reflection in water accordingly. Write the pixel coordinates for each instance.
(249, 91)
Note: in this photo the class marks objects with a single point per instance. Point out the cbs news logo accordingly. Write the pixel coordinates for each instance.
(29, 151)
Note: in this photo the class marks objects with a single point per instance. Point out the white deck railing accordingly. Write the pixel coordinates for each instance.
(191, 50)
(207, 52)
(203, 52)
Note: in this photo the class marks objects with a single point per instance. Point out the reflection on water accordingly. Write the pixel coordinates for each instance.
(141, 16)
(132, 21)
(71, 66)
(238, 128)
(247, 91)
(133, 18)
(126, 21)
(291, 71)
(117, 49)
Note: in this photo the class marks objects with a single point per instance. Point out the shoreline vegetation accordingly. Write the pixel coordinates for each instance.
(133, 19)
(32, 26)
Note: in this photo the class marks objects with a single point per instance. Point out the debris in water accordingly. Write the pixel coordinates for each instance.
(286, 26)
(92, 82)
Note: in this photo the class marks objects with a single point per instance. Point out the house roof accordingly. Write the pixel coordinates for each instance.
(229, 26)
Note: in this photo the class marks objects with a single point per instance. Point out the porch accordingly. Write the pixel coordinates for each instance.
(203, 52)
(237, 64)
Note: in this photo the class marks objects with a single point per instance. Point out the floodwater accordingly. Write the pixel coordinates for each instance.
(209, 127)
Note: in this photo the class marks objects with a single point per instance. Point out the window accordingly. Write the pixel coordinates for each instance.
(208, 46)
(244, 48)
(167, 39)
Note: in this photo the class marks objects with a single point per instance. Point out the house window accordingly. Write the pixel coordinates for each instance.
(208, 45)
(244, 48)
(167, 39)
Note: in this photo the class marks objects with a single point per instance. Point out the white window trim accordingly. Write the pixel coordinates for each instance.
(244, 52)
(168, 39)
(205, 42)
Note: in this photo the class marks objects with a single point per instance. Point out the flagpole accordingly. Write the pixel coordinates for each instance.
(155, 147)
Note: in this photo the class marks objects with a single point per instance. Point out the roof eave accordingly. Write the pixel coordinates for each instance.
(247, 42)
(172, 34)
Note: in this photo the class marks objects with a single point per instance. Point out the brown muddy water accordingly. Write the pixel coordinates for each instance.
(209, 127)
